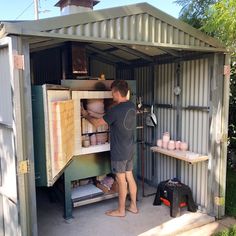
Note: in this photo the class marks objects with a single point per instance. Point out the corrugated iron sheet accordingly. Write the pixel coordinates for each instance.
(195, 125)
(5, 88)
(155, 85)
(137, 27)
(164, 82)
(8, 189)
(143, 76)
(97, 68)
(47, 67)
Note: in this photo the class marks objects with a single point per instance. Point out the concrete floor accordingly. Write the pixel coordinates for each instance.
(90, 220)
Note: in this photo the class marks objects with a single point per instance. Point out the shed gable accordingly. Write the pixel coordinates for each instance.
(139, 28)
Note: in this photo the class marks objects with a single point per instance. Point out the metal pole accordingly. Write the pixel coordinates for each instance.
(36, 10)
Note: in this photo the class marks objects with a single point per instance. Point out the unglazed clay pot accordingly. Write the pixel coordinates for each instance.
(93, 139)
(102, 128)
(101, 138)
(183, 146)
(95, 114)
(95, 105)
(177, 145)
(171, 145)
(159, 142)
(164, 144)
(166, 137)
(86, 143)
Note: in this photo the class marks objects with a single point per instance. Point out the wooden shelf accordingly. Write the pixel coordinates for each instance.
(187, 156)
(95, 199)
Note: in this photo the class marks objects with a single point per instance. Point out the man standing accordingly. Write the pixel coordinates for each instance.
(121, 119)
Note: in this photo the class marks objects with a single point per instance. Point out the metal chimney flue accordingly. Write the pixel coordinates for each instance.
(75, 6)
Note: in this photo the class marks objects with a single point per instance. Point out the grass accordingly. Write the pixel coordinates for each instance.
(230, 203)
(228, 232)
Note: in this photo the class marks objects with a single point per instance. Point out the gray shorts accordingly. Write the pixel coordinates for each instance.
(121, 166)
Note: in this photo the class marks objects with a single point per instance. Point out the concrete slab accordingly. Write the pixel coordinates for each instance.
(90, 220)
(210, 229)
(206, 230)
(180, 224)
(227, 221)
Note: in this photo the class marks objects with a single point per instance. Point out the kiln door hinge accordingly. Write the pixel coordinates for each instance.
(23, 167)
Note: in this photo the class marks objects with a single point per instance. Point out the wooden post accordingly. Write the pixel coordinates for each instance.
(217, 157)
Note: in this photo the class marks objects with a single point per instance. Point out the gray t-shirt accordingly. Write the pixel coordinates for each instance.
(121, 119)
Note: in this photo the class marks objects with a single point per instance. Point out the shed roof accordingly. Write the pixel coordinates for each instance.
(140, 27)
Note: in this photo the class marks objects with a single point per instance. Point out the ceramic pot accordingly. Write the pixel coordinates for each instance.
(159, 142)
(90, 128)
(101, 138)
(183, 146)
(85, 143)
(164, 144)
(95, 105)
(171, 145)
(166, 137)
(102, 128)
(93, 139)
(177, 145)
(95, 114)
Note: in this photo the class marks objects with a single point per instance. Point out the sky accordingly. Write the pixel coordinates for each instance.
(24, 9)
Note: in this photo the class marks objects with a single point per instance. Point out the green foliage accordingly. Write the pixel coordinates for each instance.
(193, 12)
(230, 203)
(221, 21)
(232, 114)
(228, 232)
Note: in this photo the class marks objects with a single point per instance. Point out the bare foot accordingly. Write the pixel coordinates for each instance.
(133, 210)
(115, 213)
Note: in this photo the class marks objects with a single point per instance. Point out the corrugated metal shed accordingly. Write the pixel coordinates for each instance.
(139, 42)
(139, 26)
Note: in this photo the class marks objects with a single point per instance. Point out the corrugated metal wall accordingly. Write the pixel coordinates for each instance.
(97, 68)
(46, 67)
(143, 76)
(8, 188)
(164, 83)
(195, 124)
(137, 27)
(5, 89)
(125, 73)
(155, 85)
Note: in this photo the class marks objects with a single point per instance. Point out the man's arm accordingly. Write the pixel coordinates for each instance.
(94, 121)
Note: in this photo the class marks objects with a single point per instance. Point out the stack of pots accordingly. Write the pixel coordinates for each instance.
(95, 108)
(169, 144)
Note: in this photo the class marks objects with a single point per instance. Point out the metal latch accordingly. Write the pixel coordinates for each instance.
(23, 167)
(220, 201)
(19, 62)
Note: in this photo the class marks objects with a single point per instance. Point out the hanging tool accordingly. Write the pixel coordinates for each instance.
(151, 119)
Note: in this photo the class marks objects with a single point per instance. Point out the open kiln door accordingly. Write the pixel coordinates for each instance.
(59, 130)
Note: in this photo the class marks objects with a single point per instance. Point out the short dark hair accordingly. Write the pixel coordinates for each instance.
(121, 86)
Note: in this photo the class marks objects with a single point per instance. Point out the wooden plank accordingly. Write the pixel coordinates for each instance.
(187, 156)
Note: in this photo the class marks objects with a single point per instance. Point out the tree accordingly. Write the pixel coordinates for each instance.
(217, 18)
(221, 21)
(193, 12)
